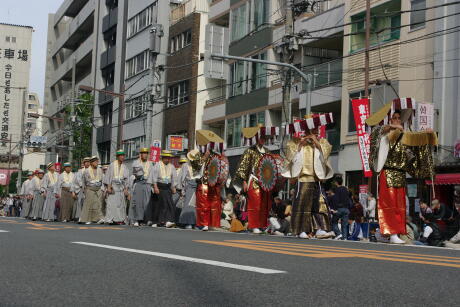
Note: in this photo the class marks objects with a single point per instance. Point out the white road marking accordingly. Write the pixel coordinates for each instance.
(4, 230)
(189, 259)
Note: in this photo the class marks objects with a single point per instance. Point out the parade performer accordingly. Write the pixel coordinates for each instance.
(78, 192)
(38, 200)
(207, 166)
(116, 182)
(63, 190)
(27, 195)
(92, 183)
(141, 206)
(48, 186)
(188, 182)
(307, 160)
(393, 153)
(245, 180)
(164, 185)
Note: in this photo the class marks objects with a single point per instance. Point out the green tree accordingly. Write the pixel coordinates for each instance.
(13, 180)
(81, 128)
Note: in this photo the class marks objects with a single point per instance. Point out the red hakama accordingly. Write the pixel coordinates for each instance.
(259, 205)
(208, 206)
(391, 208)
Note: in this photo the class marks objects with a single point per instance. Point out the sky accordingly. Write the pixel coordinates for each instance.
(32, 13)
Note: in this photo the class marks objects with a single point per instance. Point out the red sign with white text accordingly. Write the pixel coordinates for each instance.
(155, 154)
(361, 113)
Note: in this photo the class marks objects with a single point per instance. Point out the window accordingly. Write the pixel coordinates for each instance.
(142, 20)
(239, 22)
(387, 27)
(259, 73)
(238, 77)
(7, 39)
(31, 97)
(234, 132)
(261, 10)
(137, 64)
(417, 18)
(235, 125)
(13, 39)
(132, 146)
(178, 94)
(187, 37)
(31, 106)
(136, 107)
(180, 41)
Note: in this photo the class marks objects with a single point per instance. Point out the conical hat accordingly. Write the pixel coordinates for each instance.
(379, 116)
(204, 137)
(250, 132)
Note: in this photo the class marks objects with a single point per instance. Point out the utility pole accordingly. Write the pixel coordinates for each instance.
(367, 46)
(72, 110)
(21, 140)
(121, 109)
(156, 33)
(366, 65)
(9, 168)
(287, 58)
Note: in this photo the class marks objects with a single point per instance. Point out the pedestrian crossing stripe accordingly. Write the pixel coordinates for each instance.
(322, 252)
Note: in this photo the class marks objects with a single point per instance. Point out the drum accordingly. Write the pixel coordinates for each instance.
(267, 173)
(217, 170)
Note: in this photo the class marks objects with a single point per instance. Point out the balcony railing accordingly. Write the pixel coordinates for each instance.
(325, 74)
(187, 8)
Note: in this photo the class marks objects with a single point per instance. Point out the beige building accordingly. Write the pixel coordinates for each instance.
(34, 156)
(15, 56)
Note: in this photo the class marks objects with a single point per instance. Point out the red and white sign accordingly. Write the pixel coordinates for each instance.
(155, 154)
(5, 175)
(361, 113)
(424, 116)
(176, 142)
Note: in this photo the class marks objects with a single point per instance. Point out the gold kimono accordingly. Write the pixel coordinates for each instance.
(310, 211)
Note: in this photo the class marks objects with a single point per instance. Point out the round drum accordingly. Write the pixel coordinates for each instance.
(267, 173)
(217, 170)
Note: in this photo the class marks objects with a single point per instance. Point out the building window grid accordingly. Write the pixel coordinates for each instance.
(140, 21)
(136, 106)
(178, 93)
(133, 146)
(235, 125)
(180, 41)
(137, 64)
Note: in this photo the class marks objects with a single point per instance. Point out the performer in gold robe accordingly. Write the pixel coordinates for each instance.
(307, 160)
(245, 180)
(393, 153)
(208, 200)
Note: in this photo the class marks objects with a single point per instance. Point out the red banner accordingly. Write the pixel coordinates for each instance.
(155, 154)
(361, 113)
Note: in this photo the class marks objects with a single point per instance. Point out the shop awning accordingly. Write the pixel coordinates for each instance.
(445, 179)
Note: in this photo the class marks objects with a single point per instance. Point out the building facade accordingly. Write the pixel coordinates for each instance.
(15, 56)
(72, 61)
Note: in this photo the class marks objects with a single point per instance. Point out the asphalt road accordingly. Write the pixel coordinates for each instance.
(42, 265)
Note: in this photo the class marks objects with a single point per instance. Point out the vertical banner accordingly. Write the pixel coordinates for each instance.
(424, 116)
(361, 113)
(363, 190)
(155, 154)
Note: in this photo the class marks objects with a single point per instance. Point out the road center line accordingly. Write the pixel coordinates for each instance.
(4, 230)
(188, 259)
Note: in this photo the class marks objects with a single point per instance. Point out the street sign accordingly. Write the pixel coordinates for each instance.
(216, 42)
(156, 143)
